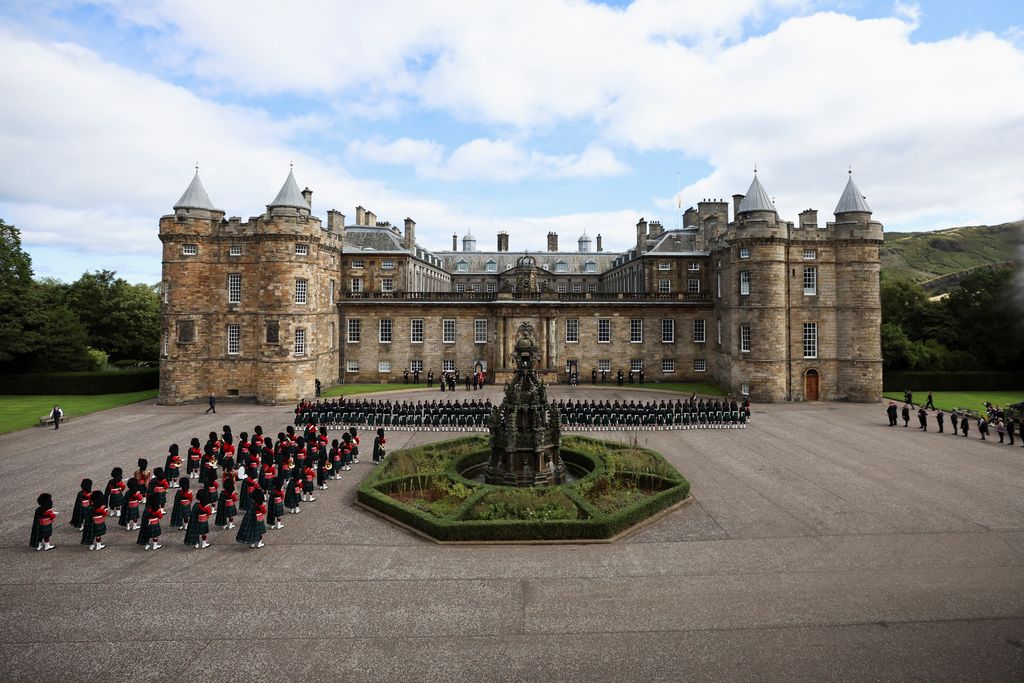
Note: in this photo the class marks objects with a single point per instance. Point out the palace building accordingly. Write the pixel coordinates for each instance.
(773, 309)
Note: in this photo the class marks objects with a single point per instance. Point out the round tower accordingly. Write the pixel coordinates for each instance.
(857, 241)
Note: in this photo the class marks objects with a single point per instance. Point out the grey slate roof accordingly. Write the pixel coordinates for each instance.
(676, 242)
(476, 261)
(289, 195)
(195, 196)
(370, 238)
(756, 198)
(852, 200)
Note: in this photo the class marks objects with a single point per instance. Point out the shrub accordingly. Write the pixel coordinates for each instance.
(81, 383)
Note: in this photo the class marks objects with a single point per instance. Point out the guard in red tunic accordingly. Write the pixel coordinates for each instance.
(199, 527)
(195, 457)
(182, 508)
(96, 523)
(42, 523)
(130, 511)
(227, 506)
(149, 532)
(114, 493)
(83, 501)
(254, 523)
(172, 465)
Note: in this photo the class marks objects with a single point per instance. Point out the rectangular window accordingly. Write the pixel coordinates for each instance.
(492, 287)
(668, 331)
(604, 366)
(387, 284)
(810, 254)
(718, 284)
(332, 292)
(699, 331)
(590, 267)
(357, 285)
(384, 331)
(664, 266)
(664, 286)
(355, 330)
(234, 288)
(810, 340)
(636, 331)
(330, 340)
(186, 331)
(636, 365)
(719, 331)
(577, 287)
(384, 366)
(699, 365)
(273, 330)
(604, 330)
(744, 282)
(234, 339)
(387, 264)
(744, 252)
(745, 389)
(189, 249)
(166, 292)
(460, 287)
(302, 250)
(448, 366)
(562, 288)
(357, 263)
(572, 330)
(300, 290)
(693, 267)
(300, 342)
(235, 250)
(668, 365)
(416, 331)
(693, 285)
(352, 366)
(480, 331)
(592, 287)
(745, 338)
(448, 331)
(166, 343)
(415, 366)
(810, 281)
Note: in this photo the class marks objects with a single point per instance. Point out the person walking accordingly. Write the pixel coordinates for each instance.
(982, 427)
(317, 386)
(57, 414)
(908, 397)
(213, 403)
(930, 403)
(940, 419)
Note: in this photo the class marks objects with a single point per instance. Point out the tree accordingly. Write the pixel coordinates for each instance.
(985, 319)
(62, 341)
(120, 318)
(15, 295)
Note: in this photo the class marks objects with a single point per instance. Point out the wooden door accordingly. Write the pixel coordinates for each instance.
(811, 385)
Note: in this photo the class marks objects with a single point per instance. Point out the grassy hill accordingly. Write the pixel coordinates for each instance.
(939, 258)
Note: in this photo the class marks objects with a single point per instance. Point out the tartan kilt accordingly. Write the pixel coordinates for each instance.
(307, 486)
(99, 529)
(179, 513)
(223, 512)
(148, 532)
(131, 515)
(116, 499)
(250, 531)
(278, 509)
(195, 530)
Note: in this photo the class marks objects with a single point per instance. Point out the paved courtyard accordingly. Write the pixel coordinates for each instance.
(822, 545)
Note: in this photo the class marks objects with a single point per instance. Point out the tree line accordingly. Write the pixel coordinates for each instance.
(977, 326)
(47, 325)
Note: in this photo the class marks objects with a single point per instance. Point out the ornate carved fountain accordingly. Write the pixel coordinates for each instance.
(525, 431)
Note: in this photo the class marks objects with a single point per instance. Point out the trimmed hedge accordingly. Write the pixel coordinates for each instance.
(593, 523)
(983, 380)
(81, 383)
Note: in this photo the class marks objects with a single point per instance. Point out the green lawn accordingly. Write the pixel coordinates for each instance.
(973, 400)
(347, 389)
(18, 412)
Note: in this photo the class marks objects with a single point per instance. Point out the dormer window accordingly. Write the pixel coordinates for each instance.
(492, 266)
(561, 267)
(462, 267)
(590, 267)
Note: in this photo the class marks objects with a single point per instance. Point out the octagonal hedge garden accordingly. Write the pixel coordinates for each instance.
(431, 489)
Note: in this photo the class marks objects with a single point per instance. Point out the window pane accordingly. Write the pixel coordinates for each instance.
(416, 331)
(572, 330)
(810, 281)
(234, 339)
(636, 331)
(668, 330)
(234, 288)
(699, 331)
(480, 331)
(448, 331)
(385, 331)
(300, 291)
(810, 340)
(604, 329)
(300, 342)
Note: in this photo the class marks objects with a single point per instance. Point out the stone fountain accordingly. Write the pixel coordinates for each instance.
(525, 430)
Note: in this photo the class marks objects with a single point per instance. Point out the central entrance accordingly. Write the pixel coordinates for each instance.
(811, 385)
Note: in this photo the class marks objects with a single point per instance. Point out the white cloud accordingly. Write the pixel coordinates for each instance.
(486, 159)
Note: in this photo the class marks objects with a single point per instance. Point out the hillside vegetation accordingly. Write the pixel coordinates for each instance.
(939, 259)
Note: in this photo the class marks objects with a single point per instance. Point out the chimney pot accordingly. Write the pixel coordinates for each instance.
(307, 194)
(552, 241)
(599, 247)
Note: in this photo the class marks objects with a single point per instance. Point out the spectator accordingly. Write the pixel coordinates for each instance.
(56, 414)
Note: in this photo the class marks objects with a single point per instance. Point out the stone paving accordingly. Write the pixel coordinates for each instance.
(822, 545)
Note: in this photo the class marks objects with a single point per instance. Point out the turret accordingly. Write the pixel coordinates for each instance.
(289, 200)
(584, 243)
(469, 242)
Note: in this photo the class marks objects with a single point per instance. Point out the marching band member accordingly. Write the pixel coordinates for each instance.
(199, 526)
(42, 523)
(114, 493)
(253, 525)
(83, 501)
(172, 466)
(96, 523)
(227, 506)
(182, 508)
(149, 531)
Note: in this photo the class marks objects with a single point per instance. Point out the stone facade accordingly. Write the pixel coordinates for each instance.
(778, 310)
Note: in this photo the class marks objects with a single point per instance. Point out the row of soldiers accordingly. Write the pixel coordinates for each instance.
(473, 415)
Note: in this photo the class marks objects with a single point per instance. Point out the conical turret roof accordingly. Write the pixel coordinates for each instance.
(289, 195)
(756, 199)
(195, 196)
(852, 200)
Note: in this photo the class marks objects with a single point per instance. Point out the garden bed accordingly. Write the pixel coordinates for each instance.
(619, 486)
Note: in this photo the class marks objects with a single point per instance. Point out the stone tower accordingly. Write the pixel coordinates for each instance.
(248, 307)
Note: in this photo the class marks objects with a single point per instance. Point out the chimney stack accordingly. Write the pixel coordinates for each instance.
(409, 240)
(736, 199)
(552, 241)
(641, 235)
(690, 218)
(455, 241)
(307, 194)
(335, 221)
(808, 219)
(360, 215)
(502, 241)
(371, 219)
(599, 247)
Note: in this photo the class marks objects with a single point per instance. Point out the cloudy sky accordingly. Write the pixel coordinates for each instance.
(524, 116)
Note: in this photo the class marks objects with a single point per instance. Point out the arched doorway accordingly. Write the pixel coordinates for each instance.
(811, 385)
